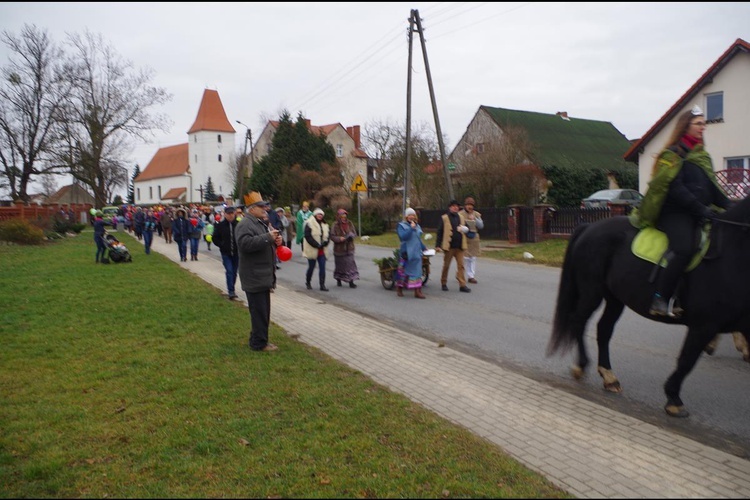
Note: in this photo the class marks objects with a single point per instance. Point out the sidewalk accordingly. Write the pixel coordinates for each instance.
(586, 449)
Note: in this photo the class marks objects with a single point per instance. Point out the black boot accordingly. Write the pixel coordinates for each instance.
(338, 282)
(323, 287)
(308, 285)
(352, 285)
(663, 307)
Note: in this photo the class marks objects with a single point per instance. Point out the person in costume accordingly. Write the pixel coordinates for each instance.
(682, 193)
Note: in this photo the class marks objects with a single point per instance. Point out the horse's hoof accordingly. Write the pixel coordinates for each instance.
(676, 411)
(613, 387)
(577, 372)
(611, 383)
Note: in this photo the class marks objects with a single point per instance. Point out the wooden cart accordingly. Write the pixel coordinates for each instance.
(388, 267)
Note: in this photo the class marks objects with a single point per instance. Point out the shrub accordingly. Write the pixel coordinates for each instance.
(21, 231)
(62, 226)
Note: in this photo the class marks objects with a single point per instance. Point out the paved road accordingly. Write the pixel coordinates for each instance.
(506, 320)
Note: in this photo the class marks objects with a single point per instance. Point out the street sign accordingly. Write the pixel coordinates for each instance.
(358, 186)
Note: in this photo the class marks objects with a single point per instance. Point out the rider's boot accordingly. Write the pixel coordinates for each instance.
(659, 306)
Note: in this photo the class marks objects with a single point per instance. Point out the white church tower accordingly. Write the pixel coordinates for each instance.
(179, 174)
(210, 149)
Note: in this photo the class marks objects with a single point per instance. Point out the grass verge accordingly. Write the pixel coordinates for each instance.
(135, 381)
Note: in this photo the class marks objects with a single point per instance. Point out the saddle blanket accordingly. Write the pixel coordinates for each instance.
(650, 244)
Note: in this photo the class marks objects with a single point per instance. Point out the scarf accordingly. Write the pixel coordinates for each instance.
(690, 141)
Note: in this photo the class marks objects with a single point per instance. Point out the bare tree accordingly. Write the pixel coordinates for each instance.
(486, 173)
(107, 107)
(386, 142)
(48, 183)
(31, 96)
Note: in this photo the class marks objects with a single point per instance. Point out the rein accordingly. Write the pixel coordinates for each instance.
(724, 221)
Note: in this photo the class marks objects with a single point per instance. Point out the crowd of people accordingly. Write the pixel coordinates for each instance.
(248, 239)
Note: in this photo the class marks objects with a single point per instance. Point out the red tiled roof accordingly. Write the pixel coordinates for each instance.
(174, 194)
(211, 115)
(737, 47)
(314, 129)
(167, 162)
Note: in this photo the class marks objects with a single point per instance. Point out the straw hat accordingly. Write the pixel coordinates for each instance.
(254, 198)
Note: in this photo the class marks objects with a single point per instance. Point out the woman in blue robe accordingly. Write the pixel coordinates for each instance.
(409, 273)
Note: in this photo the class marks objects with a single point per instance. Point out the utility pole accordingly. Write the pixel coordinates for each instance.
(407, 167)
(200, 188)
(416, 20)
(243, 166)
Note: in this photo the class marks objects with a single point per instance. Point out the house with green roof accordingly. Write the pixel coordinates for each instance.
(576, 155)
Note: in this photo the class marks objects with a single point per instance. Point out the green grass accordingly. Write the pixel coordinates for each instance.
(135, 381)
(549, 252)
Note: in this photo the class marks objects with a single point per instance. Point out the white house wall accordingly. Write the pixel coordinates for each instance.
(166, 183)
(723, 140)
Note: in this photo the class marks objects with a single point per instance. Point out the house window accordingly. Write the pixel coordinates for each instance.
(159, 190)
(219, 158)
(218, 138)
(737, 169)
(138, 194)
(339, 150)
(150, 193)
(715, 107)
(480, 148)
(196, 158)
(195, 138)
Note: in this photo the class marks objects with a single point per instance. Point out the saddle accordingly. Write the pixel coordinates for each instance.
(652, 245)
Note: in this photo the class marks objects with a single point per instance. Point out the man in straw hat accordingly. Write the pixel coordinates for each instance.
(256, 244)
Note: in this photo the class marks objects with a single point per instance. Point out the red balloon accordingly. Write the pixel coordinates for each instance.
(284, 253)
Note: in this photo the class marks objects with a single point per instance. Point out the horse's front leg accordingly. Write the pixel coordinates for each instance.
(695, 341)
(604, 330)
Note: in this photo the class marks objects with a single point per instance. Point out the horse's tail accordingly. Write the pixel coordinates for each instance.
(563, 338)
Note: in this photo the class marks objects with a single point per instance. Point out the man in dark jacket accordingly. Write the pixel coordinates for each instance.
(451, 240)
(257, 242)
(181, 229)
(224, 239)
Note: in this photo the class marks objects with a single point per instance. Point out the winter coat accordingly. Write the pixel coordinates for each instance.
(224, 237)
(316, 237)
(257, 249)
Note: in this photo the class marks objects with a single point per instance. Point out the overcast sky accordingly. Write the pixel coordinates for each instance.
(624, 63)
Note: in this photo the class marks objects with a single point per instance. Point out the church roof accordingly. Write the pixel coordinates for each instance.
(174, 194)
(167, 162)
(211, 115)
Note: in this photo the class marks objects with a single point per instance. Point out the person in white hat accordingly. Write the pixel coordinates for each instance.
(409, 273)
(314, 247)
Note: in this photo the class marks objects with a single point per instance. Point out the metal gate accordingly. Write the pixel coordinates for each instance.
(526, 225)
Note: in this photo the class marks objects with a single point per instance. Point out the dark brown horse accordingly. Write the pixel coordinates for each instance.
(599, 265)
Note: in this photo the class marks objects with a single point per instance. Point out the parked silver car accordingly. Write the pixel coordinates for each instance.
(608, 197)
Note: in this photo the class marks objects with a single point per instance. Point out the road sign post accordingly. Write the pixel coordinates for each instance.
(359, 186)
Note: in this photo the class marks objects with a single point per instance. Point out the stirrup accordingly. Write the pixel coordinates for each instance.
(672, 310)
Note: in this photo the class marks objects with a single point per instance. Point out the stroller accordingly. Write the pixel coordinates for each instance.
(117, 251)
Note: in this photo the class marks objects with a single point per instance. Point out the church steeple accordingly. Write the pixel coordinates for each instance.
(211, 116)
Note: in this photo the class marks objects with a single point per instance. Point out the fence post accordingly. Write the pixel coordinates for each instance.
(540, 220)
(513, 224)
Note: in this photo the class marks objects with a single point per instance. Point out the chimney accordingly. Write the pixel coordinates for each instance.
(354, 133)
(563, 115)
